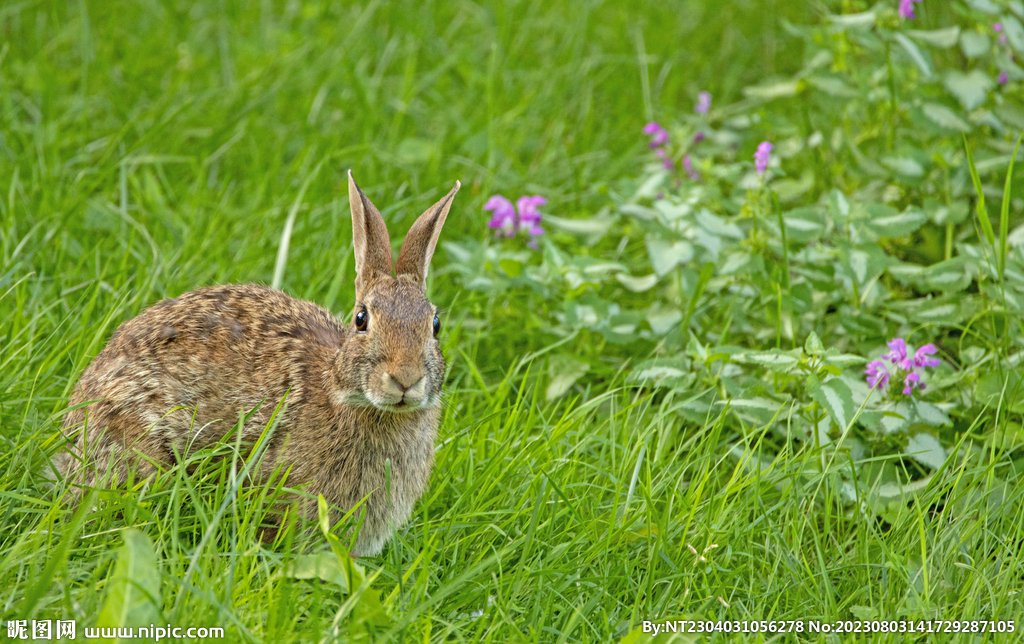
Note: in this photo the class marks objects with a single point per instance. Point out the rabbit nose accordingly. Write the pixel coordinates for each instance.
(405, 379)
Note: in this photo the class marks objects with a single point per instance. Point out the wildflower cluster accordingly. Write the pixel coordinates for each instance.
(901, 367)
(659, 139)
(659, 143)
(521, 218)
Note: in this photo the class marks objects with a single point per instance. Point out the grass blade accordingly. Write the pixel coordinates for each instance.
(1004, 213)
(706, 273)
(986, 224)
(286, 235)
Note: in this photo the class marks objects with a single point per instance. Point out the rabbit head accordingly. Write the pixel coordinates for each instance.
(391, 359)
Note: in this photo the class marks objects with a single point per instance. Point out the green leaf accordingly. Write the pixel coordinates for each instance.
(907, 166)
(941, 38)
(945, 117)
(760, 409)
(596, 226)
(563, 372)
(775, 360)
(970, 89)
(669, 371)
(915, 54)
(974, 44)
(844, 21)
(896, 417)
(790, 189)
(511, 267)
(942, 214)
(772, 91)
(926, 449)
(637, 284)
(949, 276)
(804, 224)
(985, 6)
(636, 210)
(662, 320)
(896, 491)
(863, 262)
(736, 263)
(325, 566)
(1014, 33)
(897, 224)
(666, 256)
(842, 360)
(835, 398)
(718, 226)
(944, 312)
(813, 345)
(907, 274)
(833, 86)
(599, 269)
(929, 414)
(1004, 390)
(133, 589)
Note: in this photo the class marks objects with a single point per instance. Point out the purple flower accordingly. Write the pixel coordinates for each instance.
(912, 382)
(878, 374)
(658, 134)
(703, 103)
(504, 214)
(898, 352)
(907, 8)
(901, 366)
(921, 358)
(698, 137)
(529, 216)
(763, 155)
(688, 166)
(507, 220)
(1003, 78)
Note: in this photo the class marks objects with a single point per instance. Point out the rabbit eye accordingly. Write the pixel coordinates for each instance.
(361, 320)
(437, 325)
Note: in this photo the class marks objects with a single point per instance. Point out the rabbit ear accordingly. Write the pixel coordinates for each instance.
(419, 244)
(369, 238)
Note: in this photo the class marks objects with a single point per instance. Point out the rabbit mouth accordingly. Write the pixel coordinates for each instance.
(400, 407)
(395, 404)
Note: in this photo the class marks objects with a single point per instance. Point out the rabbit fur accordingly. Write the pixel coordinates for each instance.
(175, 379)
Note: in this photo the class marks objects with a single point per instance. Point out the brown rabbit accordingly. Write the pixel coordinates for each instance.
(174, 379)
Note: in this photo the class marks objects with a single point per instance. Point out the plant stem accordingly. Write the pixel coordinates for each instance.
(891, 142)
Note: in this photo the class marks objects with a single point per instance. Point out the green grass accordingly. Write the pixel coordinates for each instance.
(150, 148)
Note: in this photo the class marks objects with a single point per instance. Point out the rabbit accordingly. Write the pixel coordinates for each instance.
(175, 378)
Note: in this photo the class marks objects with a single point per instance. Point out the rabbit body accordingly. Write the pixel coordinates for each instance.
(176, 378)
